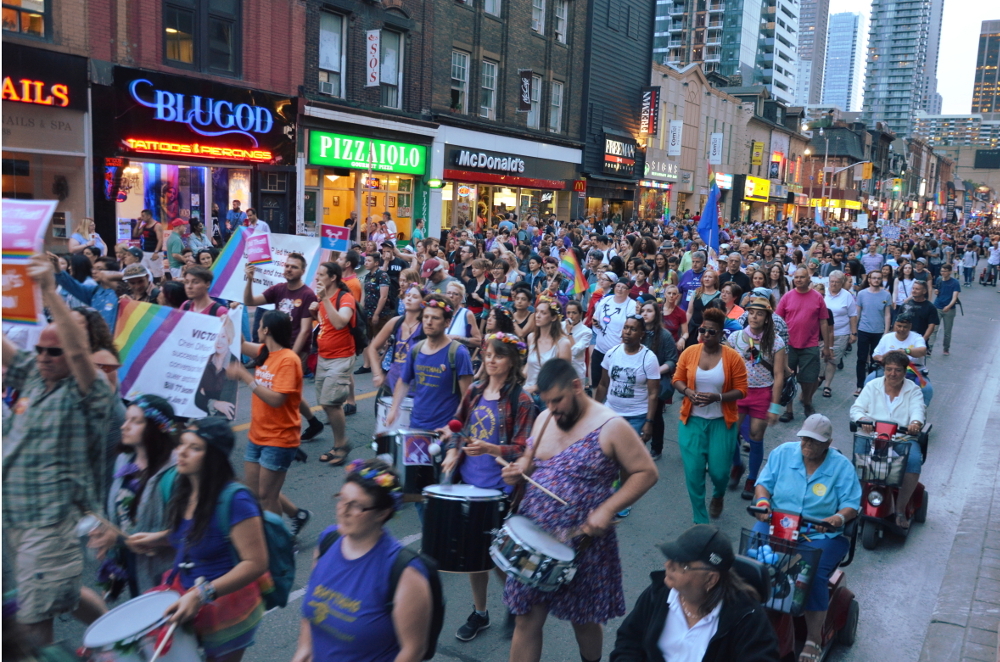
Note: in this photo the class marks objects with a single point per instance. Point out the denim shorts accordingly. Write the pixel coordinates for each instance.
(273, 458)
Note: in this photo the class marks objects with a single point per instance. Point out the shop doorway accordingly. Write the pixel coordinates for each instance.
(276, 185)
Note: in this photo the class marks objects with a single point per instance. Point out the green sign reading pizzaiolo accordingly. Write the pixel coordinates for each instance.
(340, 151)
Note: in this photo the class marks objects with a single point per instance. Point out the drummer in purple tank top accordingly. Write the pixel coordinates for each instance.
(494, 424)
(579, 459)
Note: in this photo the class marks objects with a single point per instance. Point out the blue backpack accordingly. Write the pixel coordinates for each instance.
(280, 550)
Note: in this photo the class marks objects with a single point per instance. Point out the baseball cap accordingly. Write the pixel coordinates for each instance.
(817, 427)
(135, 252)
(702, 542)
(762, 292)
(177, 222)
(215, 431)
(430, 266)
(922, 259)
(136, 271)
(612, 276)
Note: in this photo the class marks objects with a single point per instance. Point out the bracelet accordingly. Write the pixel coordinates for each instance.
(763, 503)
(206, 593)
(775, 408)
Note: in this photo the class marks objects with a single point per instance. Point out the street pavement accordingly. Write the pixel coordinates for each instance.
(897, 585)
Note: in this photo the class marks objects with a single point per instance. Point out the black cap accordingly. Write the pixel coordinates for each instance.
(135, 252)
(704, 543)
(215, 431)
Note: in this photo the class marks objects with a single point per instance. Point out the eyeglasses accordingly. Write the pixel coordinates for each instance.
(708, 332)
(51, 351)
(352, 507)
(685, 568)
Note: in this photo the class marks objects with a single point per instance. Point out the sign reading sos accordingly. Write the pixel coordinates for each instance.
(372, 53)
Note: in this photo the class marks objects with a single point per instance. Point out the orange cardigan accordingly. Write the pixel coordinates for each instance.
(736, 377)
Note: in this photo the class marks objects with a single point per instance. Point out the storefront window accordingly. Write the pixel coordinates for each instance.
(26, 17)
(339, 197)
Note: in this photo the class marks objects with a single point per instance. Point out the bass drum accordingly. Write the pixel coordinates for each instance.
(459, 521)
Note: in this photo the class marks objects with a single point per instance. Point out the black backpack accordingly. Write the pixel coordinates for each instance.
(403, 559)
(358, 325)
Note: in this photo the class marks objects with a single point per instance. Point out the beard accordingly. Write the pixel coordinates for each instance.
(567, 420)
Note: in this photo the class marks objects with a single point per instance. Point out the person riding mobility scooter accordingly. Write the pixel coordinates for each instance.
(807, 499)
(888, 463)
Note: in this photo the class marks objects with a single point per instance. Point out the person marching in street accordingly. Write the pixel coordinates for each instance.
(946, 291)
(227, 606)
(54, 455)
(401, 333)
(496, 415)
(874, 314)
(763, 354)
(582, 456)
(295, 298)
(658, 340)
(840, 302)
(463, 327)
(149, 232)
(546, 342)
(580, 335)
(712, 378)
(336, 310)
(607, 320)
(434, 381)
(197, 282)
(804, 311)
(376, 287)
(922, 312)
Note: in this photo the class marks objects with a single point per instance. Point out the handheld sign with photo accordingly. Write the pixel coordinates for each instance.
(25, 223)
(229, 267)
(259, 249)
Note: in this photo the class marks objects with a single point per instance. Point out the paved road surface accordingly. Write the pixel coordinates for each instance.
(896, 585)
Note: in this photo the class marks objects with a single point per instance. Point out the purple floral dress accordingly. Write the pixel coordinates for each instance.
(583, 475)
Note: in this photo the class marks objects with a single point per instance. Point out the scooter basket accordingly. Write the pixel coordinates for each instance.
(882, 463)
(791, 567)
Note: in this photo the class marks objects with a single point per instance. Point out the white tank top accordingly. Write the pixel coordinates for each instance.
(710, 381)
(459, 324)
(534, 363)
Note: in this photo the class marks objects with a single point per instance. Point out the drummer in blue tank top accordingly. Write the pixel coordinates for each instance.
(346, 615)
(496, 417)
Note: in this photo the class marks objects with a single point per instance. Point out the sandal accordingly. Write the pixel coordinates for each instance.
(811, 657)
(902, 522)
(857, 392)
(827, 392)
(336, 457)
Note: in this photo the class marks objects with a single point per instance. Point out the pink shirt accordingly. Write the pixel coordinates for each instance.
(803, 313)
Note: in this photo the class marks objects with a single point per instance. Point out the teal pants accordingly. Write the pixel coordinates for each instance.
(706, 441)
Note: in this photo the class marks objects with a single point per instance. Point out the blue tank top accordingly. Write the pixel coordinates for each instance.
(400, 350)
(484, 425)
(346, 603)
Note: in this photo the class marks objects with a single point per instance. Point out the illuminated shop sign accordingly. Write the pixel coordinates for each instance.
(756, 189)
(146, 146)
(342, 151)
(208, 117)
(35, 91)
(619, 156)
(464, 158)
(186, 117)
(44, 78)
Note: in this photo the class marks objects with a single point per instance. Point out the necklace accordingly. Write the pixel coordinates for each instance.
(685, 609)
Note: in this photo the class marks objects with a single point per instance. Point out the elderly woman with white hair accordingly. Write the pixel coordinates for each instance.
(463, 327)
(840, 302)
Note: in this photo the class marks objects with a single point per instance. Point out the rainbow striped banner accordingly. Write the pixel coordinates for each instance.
(570, 267)
(225, 265)
(230, 280)
(164, 351)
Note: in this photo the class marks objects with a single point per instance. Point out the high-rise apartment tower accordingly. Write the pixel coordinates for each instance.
(842, 76)
(986, 90)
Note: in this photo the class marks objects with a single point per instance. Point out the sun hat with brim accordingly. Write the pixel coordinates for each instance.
(759, 303)
(136, 271)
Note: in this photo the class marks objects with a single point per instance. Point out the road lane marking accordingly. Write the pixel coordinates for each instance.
(246, 426)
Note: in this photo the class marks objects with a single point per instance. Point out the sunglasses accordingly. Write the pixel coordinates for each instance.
(51, 351)
(706, 331)
(107, 368)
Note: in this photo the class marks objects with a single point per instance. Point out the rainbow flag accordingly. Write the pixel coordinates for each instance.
(913, 374)
(139, 332)
(228, 260)
(570, 267)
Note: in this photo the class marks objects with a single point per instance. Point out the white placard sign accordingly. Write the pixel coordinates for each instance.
(229, 267)
(674, 137)
(715, 149)
(373, 51)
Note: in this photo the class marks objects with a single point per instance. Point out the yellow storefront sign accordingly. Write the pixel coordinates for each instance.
(835, 204)
(757, 189)
(757, 155)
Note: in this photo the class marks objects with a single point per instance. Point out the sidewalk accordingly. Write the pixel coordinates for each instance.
(964, 624)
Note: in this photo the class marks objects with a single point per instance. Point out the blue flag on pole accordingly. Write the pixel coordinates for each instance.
(708, 226)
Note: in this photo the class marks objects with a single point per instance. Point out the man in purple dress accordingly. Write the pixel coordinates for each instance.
(579, 459)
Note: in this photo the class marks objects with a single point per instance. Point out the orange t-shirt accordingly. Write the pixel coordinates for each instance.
(278, 426)
(354, 285)
(336, 343)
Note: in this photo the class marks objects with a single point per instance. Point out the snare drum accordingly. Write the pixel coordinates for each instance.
(382, 406)
(532, 556)
(459, 521)
(412, 453)
(128, 633)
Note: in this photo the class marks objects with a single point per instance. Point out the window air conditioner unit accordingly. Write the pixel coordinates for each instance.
(326, 87)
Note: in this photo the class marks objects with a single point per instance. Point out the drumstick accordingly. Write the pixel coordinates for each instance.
(555, 496)
(163, 642)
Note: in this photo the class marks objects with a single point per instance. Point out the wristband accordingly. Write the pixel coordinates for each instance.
(206, 593)
(764, 503)
(775, 408)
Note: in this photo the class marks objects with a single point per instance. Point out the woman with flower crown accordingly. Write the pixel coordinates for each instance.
(496, 416)
(547, 341)
(348, 614)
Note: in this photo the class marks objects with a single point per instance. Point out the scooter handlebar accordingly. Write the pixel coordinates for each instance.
(757, 510)
(804, 519)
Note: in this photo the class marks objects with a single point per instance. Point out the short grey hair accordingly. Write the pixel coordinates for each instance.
(596, 254)
(735, 256)
(699, 255)
(836, 274)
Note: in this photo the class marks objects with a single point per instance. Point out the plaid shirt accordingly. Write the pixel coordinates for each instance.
(53, 447)
(516, 420)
